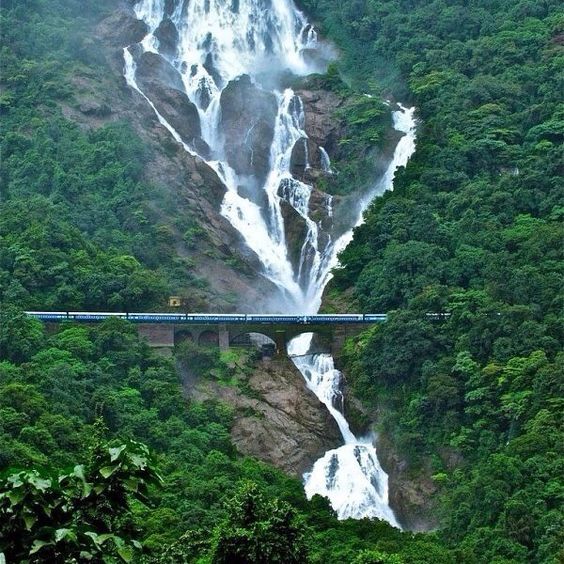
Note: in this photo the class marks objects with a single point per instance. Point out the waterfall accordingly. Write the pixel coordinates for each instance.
(325, 161)
(205, 48)
(351, 476)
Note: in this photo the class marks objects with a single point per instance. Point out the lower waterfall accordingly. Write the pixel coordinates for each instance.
(350, 476)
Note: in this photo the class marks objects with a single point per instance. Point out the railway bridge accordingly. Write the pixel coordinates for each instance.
(165, 330)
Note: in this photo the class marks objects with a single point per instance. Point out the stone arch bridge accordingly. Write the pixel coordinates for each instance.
(329, 338)
(165, 330)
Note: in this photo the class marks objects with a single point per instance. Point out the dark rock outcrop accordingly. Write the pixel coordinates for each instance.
(322, 129)
(167, 34)
(162, 84)
(299, 158)
(177, 109)
(248, 118)
(151, 67)
(122, 28)
(295, 230)
(169, 6)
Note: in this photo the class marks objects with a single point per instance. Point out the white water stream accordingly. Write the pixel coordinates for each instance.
(218, 41)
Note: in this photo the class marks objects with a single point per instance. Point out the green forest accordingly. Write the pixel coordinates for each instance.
(103, 458)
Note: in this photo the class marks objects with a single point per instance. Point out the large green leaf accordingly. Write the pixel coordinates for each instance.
(107, 471)
(115, 452)
(38, 545)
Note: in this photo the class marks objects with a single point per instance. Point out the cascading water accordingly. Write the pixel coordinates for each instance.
(215, 45)
(204, 48)
(351, 476)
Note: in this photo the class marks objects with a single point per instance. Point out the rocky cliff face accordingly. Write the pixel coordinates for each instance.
(248, 115)
(411, 490)
(321, 126)
(277, 419)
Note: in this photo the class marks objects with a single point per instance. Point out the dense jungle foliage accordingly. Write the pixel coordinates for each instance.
(472, 229)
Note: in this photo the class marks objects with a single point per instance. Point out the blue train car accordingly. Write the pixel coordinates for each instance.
(94, 316)
(156, 317)
(216, 318)
(48, 315)
(375, 317)
(329, 318)
(275, 318)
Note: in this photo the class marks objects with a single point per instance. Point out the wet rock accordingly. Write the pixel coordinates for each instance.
(295, 229)
(307, 258)
(299, 158)
(212, 71)
(169, 6)
(177, 109)
(322, 129)
(122, 28)
(207, 179)
(167, 34)
(152, 68)
(319, 209)
(201, 147)
(248, 118)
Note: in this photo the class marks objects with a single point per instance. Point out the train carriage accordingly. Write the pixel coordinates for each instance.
(155, 317)
(274, 318)
(328, 318)
(48, 315)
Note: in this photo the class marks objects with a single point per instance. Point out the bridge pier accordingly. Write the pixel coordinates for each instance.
(280, 340)
(224, 338)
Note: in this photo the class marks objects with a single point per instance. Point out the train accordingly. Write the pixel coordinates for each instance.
(207, 318)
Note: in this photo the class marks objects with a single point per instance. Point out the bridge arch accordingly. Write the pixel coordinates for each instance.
(250, 339)
(208, 338)
(182, 335)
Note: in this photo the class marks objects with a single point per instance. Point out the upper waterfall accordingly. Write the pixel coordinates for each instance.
(246, 129)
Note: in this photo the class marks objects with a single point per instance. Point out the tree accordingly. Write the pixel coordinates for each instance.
(83, 515)
(259, 531)
(20, 336)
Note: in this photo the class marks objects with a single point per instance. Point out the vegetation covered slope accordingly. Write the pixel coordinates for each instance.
(473, 229)
(81, 227)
